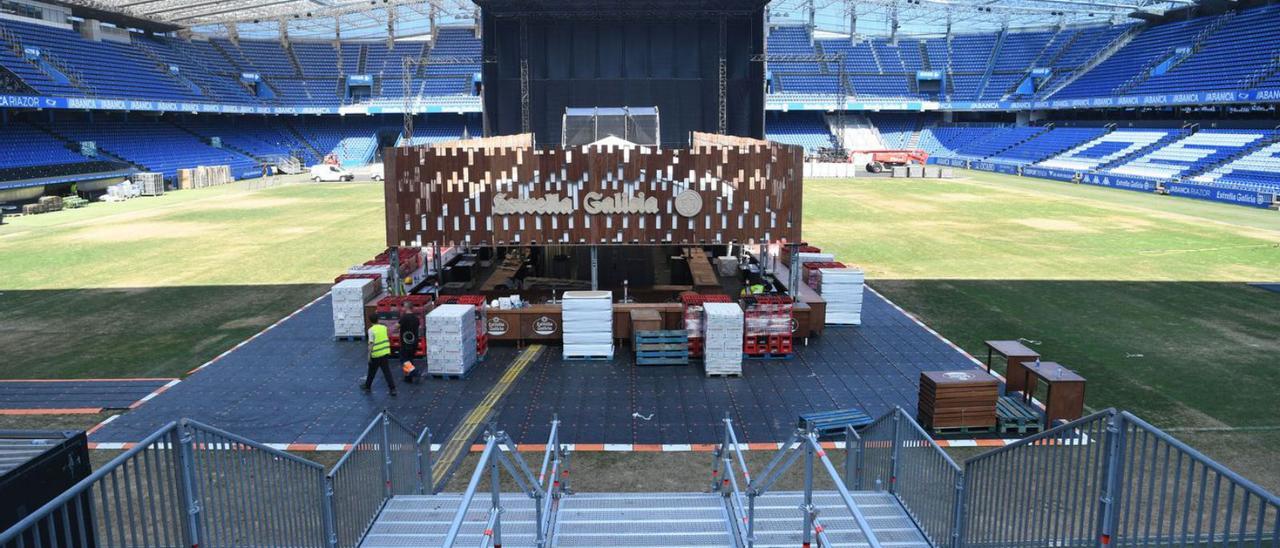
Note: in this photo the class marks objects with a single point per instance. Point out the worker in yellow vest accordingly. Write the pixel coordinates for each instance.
(379, 352)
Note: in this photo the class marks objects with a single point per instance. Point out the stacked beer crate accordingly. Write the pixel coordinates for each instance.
(693, 318)
(784, 253)
(842, 289)
(389, 309)
(723, 331)
(451, 339)
(810, 274)
(348, 298)
(587, 318)
(768, 326)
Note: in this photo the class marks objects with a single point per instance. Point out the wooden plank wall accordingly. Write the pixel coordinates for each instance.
(445, 194)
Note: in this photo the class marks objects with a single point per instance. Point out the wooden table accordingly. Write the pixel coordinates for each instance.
(1065, 398)
(1015, 353)
(817, 319)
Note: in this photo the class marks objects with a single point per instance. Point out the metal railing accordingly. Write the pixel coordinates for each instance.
(802, 442)
(186, 484)
(929, 490)
(501, 453)
(386, 460)
(1040, 491)
(1111, 479)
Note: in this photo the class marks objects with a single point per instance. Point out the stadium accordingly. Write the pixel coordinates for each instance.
(639, 273)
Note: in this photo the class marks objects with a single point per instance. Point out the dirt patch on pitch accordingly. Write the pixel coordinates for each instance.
(1054, 225)
(138, 231)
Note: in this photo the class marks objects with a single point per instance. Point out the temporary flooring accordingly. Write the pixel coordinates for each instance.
(75, 396)
(294, 384)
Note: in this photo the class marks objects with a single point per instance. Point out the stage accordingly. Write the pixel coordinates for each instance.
(295, 386)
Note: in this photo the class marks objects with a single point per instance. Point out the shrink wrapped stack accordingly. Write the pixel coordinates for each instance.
(451, 339)
(723, 332)
(587, 318)
(348, 298)
(842, 289)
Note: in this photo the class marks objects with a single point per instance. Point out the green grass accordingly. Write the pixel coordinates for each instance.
(157, 286)
(1143, 295)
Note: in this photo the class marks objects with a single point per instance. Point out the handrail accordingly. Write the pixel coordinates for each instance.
(347, 455)
(246, 441)
(1031, 440)
(467, 496)
(920, 430)
(845, 495)
(83, 485)
(1231, 475)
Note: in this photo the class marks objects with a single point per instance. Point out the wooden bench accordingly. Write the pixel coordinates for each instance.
(1017, 417)
(832, 423)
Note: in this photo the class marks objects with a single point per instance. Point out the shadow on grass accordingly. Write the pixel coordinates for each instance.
(134, 332)
(1198, 355)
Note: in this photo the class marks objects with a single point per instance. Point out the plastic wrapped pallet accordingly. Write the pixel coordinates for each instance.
(723, 332)
(348, 297)
(842, 289)
(587, 324)
(451, 339)
(149, 184)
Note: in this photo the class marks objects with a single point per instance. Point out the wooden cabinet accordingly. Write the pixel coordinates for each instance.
(957, 399)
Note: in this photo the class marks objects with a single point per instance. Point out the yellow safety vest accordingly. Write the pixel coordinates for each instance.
(380, 345)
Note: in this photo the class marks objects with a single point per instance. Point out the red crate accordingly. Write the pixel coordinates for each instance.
(357, 277)
(692, 314)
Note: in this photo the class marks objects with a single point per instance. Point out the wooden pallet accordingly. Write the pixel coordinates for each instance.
(725, 375)
(586, 357)
(348, 337)
(768, 356)
(1016, 417)
(666, 347)
(963, 430)
(835, 422)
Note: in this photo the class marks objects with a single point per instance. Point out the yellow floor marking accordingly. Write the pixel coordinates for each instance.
(466, 431)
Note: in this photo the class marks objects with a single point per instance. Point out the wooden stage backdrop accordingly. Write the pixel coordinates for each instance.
(504, 191)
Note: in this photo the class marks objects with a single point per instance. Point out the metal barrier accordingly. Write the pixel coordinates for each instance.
(802, 441)
(186, 484)
(499, 453)
(1040, 491)
(386, 460)
(930, 488)
(1111, 479)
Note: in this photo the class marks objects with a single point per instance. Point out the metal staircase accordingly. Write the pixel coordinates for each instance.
(1102, 480)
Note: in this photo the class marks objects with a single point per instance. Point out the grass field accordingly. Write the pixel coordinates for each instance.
(1144, 295)
(154, 287)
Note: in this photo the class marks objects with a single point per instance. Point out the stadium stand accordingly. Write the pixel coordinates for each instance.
(1189, 154)
(1047, 144)
(1112, 147)
(1254, 171)
(805, 129)
(152, 145)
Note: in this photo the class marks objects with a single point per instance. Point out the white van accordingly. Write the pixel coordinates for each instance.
(375, 171)
(330, 173)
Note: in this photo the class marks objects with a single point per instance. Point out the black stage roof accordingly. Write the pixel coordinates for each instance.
(669, 8)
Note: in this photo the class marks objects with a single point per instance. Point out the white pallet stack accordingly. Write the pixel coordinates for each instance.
(451, 339)
(842, 289)
(587, 318)
(348, 298)
(723, 344)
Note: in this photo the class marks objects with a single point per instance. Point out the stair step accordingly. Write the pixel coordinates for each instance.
(642, 519)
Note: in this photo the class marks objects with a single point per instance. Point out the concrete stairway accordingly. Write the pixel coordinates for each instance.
(642, 519)
(779, 520)
(423, 520)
